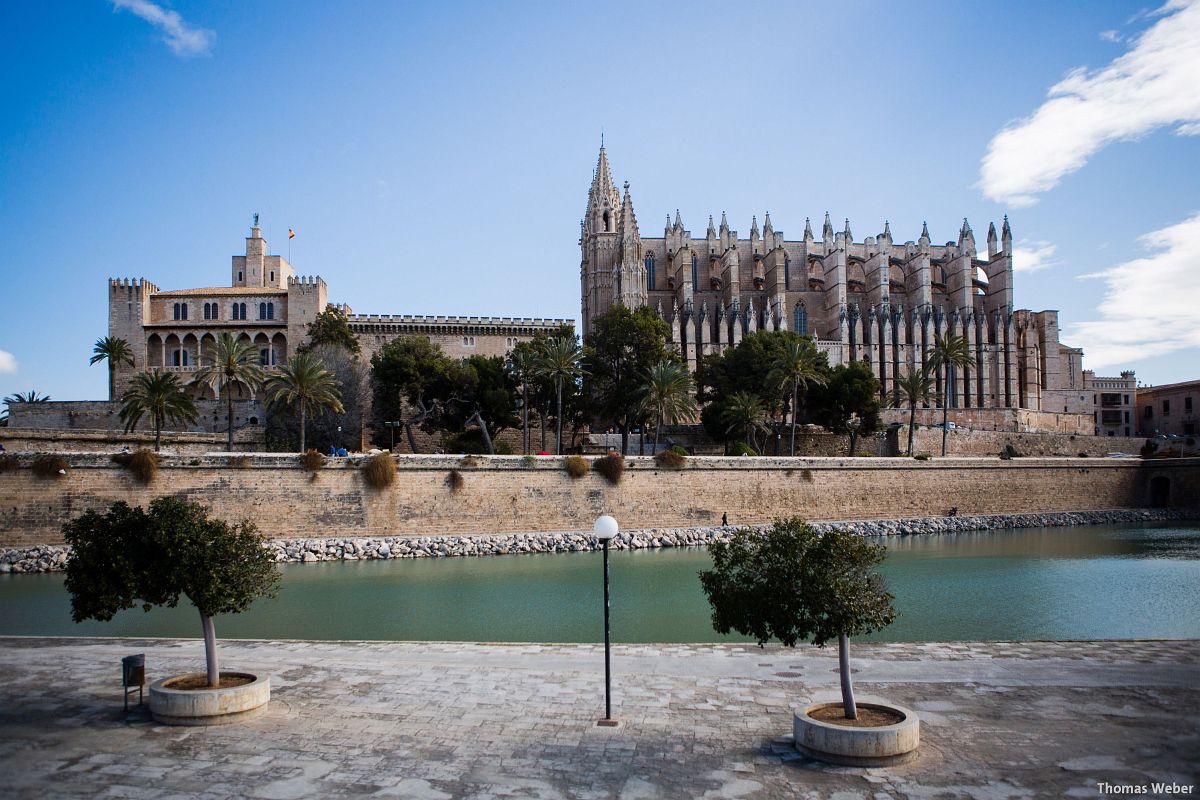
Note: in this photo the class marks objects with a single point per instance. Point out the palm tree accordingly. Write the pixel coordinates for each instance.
(304, 382)
(520, 364)
(913, 388)
(159, 394)
(745, 413)
(798, 364)
(116, 351)
(560, 361)
(227, 362)
(947, 353)
(668, 395)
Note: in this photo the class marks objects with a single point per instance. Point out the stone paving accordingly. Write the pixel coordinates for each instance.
(437, 720)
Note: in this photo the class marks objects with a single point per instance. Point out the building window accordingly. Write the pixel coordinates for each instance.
(239, 277)
(1148, 412)
(270, 311)
(266, 311)
(787, 272)
(800, 318)
(272, 276)
(181, 310)
(468, 341)
(695, 272)
(1187, 404)
(264, 356)
(650, 270)
(179, 358)
(1166, 408)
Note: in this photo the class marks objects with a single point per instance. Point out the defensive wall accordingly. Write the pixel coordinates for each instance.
(33, 440)
(505, 494)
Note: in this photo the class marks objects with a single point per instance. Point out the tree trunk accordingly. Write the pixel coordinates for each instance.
(945, 408)
(912, 422)
(847, 685)
(302, 437)
(524, 419)
(625, 437)
(642, 439)
(210, 649)
(558, 417)
(542, 418)
(412, 441)
(793, 418)
(853, 441)
(487, 438)
(657, 427)
(157, 432)
(229, 409)
(112, 381)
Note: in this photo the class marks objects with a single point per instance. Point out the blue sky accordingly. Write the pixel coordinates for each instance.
(435, 158)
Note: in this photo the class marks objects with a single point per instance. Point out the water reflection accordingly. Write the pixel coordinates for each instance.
(1056, 583)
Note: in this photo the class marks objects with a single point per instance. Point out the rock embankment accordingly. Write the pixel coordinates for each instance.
(49, 558)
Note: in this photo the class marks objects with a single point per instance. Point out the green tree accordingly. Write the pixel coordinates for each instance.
(304, 383)
(851, 389)
(520, 365)
(409, 370)
(560, 362)
(618, 353)
(230, 361)
(352, 376)
(115, 351)
(750, 367)
(161, 396)
(479, 392)
(793, 584)
(798, 364)
(668, 394)
(948, 353)
(743, 415)
(126, 557)
(332, 327)
(912, 388)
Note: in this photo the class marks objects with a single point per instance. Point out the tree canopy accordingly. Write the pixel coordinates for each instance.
(127, 557)
(850, 389)
(618, 353)
(331, 327)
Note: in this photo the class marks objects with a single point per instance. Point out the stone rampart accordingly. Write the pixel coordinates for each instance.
(964, 441)
(506, 495)
(32, 440)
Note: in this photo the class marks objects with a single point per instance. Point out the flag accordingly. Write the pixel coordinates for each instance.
(291, 234)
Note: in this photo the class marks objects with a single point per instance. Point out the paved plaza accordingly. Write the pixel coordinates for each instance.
(438, 720)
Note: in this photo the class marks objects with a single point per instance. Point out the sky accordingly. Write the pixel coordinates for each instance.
(435, 158)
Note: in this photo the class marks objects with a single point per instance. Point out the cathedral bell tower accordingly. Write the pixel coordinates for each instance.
(600, 244)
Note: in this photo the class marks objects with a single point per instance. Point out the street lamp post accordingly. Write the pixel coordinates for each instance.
(605, 529)
(391, 426)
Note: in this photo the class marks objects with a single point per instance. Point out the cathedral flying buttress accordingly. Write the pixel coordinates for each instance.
(876, 300)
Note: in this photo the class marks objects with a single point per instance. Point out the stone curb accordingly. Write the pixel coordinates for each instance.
(52, 558)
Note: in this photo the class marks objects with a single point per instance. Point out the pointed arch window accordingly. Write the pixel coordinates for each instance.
(787, 271)
(649, 270)
(695, 272)
(800, 319)
(270, 311)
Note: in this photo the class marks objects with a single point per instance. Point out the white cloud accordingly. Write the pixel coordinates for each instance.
(1110, 36)
(8, 362)
(1154, 84)
(1149, 306)
(1031, 256)
(183, 39)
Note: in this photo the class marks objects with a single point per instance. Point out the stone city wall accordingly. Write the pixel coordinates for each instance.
(503, 495)
(962, 441)
(999, 419)
(30, 440)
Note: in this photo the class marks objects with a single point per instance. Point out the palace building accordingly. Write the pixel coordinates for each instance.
(269, 305)
(876, 300)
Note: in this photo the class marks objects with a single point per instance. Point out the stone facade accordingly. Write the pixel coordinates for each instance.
(503, 495)
(268, 304)
(1172, 409)
(876, 300)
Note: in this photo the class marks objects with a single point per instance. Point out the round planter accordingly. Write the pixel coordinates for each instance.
(858, 747)
(209, 706)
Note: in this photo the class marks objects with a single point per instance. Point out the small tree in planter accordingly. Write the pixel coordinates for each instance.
(127, 557)
(793, 584)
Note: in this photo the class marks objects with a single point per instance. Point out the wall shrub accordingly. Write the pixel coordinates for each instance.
(379, 471)
(611, 466)
(669, 459)
(312, 460)
(50, 467)
(577, 466)
(454, 480)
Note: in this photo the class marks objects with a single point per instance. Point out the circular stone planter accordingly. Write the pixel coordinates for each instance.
(209, 706)
(858, 747)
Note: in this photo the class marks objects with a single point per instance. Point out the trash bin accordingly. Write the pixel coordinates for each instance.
(133, 674)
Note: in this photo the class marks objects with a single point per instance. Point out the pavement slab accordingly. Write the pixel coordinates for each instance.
(459, 720)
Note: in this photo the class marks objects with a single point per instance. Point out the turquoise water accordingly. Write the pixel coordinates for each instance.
(1101, 582)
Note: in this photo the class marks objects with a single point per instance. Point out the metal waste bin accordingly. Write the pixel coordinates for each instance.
(133, 674)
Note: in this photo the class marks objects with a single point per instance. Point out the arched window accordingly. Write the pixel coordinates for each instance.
(176, 310)
(607, 222)
(270, 311)
(264, 356)
(262, 310)
(695, 272)
(239, 311)
(650, 270)
(787, 271)
(800, 319)
(179, 357)
(183, 310)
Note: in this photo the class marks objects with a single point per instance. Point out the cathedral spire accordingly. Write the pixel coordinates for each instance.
(827, 229)
(846, 231)
(925, 232)
(768, 228)
(724, 225)
(678, 221)
(887, 230)
(808, 234)
(603, 199)
(753, 228)
(712, 232)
